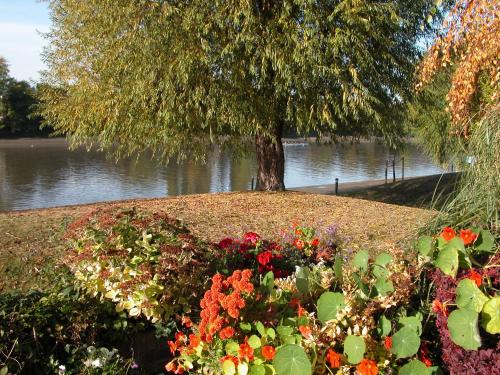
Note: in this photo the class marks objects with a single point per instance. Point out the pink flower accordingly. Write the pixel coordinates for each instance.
(251, 237)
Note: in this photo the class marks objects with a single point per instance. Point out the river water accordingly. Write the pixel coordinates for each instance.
(36, 173)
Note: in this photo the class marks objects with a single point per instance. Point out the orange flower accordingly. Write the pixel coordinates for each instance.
(298, 232)
(315, 242)
(334, 358)
(437, 306)
(388, 342)
(448, 233)
(170, 366)
(268, 352)
(226, 333)
(299, 244)
(426, 361)
(467, 236)
(476, 277)
(367, 367)
(186, 321)
(245, 351)
(305, 330)
(173, 346)
(194, 341)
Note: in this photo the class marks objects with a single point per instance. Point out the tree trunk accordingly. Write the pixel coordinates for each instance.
(270, 161)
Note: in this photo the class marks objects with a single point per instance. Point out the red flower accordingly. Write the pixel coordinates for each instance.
(305, 330)
(298, 232)
(437, 306)
(448, 233)
(245, 351)
(315, 242)
(186, 321)
(476, 277)
(265, 257)
(251, 237)
(426, 361)
(367, 367)
(194, 341)
(226, 333)
(230, 358)
(299, 244)
(226, 243)
(173, 346)
(170, 366)
(268, 352)
(388, 342)
(334, 358)
(467, 236)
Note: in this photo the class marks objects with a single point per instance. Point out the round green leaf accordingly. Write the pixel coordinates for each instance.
(302, 279)
(405, 342)
(414, 367)
(291, 360)
(257, 370)
(412, 322)
(490, 317)
(360, 260)
(384, 287)
(485, 241)
(462, 324)
(228, 367)
(425, 246)
(254, 342)
(354, 348)
(447, 261)
(384, 326)
(469, 296)
(329, 304)
(383, 259)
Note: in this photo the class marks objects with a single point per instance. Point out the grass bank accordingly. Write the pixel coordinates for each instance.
(31, 243)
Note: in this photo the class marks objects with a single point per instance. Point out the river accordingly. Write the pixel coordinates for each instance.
(37, 173)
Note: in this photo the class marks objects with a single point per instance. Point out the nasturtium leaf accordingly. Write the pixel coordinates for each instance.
(414, 367)
(360, 260)
(384, 287)
(302, 279)
(405, 342)
(425, 246)
(337, 268)
(4, 370)
(284, 330)
(383, 259)
(242, 368)
(490, 317)
(462, 324)
(456, 243)
(245, 327)
(469, 296)
(380, 272)
(228, 367)
(361, 285)
(384, 326)
(441, 242)
(232, 348)
(329, 304)
(485, 241)
(412, 322)
(260, 328)
(268, 282)
(257, 370)
(447, 261)
(291, 360)
(254, 342)
(354, 348)
(435, 370)
(271, 333)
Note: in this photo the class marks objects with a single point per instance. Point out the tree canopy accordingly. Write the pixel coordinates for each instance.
(176, 76)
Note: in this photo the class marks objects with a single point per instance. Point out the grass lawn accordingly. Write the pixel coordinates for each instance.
(31, 243)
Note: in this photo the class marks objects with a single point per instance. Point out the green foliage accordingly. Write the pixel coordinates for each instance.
(405, 342)
(469, 296)
(354, 348)
(329, 304)
(463, 327)
(490, 316)
(148, 265)
(447, 261)
(360, 260)
(292, 360)
(414, 367)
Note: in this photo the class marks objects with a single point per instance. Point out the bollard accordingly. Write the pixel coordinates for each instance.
(403, 168)
(252, 183)
(386, 168)
(393, 170)
(336, 186)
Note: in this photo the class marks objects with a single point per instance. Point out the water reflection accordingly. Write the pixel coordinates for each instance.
(43, 173)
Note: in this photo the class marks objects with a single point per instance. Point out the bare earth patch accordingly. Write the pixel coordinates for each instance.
(31, 243)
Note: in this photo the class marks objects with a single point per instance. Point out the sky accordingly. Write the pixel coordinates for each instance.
(21, 22)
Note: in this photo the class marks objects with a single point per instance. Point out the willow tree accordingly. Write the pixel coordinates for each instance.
(176, 76)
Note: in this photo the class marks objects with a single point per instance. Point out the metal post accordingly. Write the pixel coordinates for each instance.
(252, 183)
(393, 170)
(336, 186)
(386, 168)
(403, 168)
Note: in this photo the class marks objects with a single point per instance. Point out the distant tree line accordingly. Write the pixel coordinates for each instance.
(18, 102)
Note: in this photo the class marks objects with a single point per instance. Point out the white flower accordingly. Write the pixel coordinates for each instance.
(62, 369)
(96, 363)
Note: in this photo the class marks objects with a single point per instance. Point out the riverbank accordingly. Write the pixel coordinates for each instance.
(423, 192)
(32, 244)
